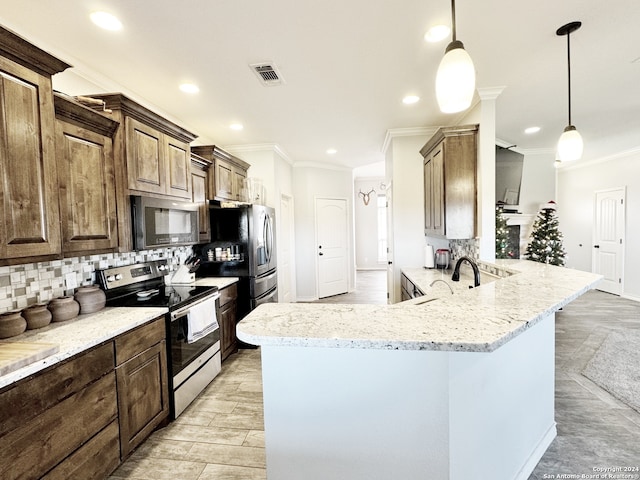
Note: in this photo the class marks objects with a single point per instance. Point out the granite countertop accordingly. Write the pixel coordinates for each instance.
(472, 320)
(86, 331)
(79, 334)
(220, 282)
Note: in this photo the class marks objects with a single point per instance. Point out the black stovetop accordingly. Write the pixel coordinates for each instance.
(172, 297)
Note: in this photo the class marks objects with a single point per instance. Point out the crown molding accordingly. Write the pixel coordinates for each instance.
(262, 147)
(406, 132)
(632, 152)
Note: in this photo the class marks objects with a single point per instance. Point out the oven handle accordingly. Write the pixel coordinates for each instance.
(184, 310)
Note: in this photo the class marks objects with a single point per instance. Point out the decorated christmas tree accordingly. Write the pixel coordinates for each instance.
(546, 240)
(502, 234)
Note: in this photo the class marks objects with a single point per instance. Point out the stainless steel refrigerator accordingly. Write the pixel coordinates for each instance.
(243, 245)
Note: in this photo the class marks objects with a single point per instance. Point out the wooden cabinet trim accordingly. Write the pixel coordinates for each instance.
(130, 108)
(445, 132)
(72, 112)
(19, 50)
(130, 344)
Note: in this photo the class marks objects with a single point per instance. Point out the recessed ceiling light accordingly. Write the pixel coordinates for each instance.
(531, 130)
(331, 151)
(437, 33)
(189, 88)
(106, 20)
(236, 126)
(410, 99)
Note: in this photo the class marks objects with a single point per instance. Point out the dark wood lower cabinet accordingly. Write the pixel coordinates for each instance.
(227, 318)
(95, 459)
(82, 417)
(34, 448)
(142, 396)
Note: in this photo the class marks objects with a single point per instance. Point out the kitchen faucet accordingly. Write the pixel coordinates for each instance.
(476, 272)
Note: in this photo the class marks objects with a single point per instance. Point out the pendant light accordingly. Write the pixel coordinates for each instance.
(456, 77)
(570, 144)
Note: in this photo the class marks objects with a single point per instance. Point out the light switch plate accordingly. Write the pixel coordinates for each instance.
(70, 280)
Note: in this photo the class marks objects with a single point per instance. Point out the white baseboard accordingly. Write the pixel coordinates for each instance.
(635, 298)
(537, 454)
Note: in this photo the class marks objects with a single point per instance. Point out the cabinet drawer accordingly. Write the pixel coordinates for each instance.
(228, 293)
(95, 459)
(32, 396)
(132, 343)
(35, 447)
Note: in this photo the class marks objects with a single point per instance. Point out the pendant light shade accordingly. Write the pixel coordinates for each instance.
(456, 77)
(570, 144)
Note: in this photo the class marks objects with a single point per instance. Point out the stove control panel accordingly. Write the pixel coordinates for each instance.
(125, 275)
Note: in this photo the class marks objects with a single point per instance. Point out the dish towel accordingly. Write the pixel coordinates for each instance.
(201, 320)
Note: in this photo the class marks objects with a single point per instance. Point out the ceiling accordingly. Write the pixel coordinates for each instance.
(347, 65)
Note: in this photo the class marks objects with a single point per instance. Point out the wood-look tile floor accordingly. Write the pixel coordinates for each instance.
(221, 435)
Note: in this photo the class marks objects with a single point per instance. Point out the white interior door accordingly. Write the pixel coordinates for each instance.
(390, 284)
(285, 250)
(608, 239)
(332, 241)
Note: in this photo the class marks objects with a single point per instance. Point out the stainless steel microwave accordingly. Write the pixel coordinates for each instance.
(159, 222)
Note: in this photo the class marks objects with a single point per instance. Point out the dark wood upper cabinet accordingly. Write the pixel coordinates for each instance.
(151, 156)
(84, 154)
(29, 219)
(200, 170)
(450, 192)
(229, 172)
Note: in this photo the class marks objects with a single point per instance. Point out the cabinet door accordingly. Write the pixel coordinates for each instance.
(224, 180)
(143, 396)
(428, 196)
(29, 220)
(239, 177)
(87, 189)
(199, 196)
(227, 320)
(178, 168)
(145, 158)
(438, 219)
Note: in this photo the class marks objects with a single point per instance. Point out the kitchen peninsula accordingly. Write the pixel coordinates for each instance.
(457, 387)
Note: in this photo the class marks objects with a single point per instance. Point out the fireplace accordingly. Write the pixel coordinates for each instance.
(519, 230)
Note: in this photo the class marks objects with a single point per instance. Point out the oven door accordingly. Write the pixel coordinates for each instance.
(193, 365)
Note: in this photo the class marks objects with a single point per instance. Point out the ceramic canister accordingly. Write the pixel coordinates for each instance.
(91, 298)
(12, 324)
(37, 316)
(63, 308)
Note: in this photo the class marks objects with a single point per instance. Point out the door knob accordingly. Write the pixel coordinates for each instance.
(320, 253)
(596, 246)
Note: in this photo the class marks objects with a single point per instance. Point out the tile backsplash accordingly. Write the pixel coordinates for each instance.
(464, 248)
(31, 283)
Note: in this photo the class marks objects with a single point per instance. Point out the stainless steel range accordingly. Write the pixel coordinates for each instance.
(193, 334)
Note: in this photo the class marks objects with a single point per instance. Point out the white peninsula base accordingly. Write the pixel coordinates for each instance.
(351, 413)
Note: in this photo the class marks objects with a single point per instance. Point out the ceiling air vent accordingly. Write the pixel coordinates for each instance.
(267, 73)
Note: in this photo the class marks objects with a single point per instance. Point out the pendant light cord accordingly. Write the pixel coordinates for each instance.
(453, 19)
(568, 71)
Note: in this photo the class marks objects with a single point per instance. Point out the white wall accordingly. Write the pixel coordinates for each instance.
(404, 169)
(538, 181)
(309, 182)
(366, 223)
(576, 193)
